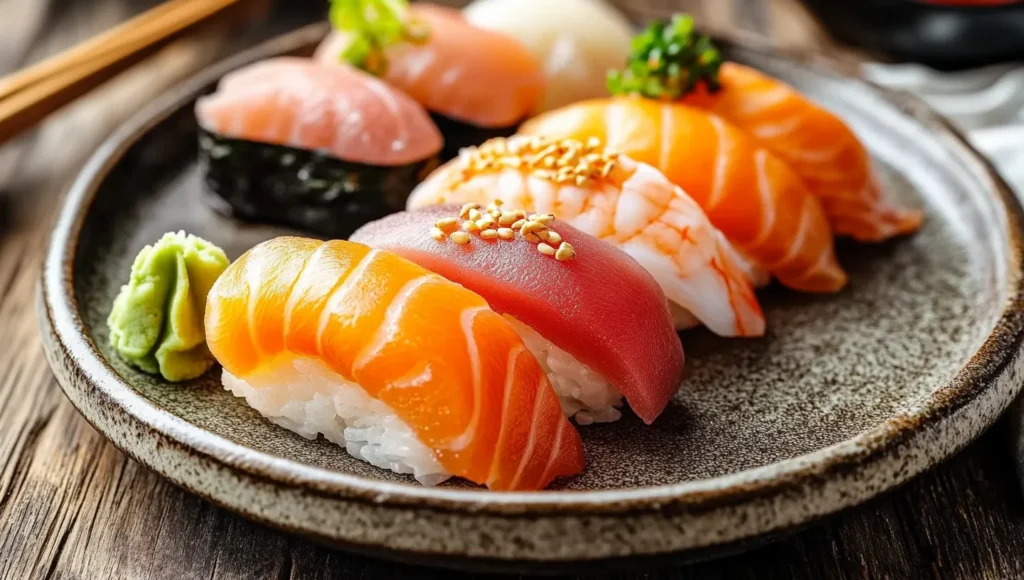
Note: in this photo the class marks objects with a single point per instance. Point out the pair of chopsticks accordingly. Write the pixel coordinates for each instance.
(30, 95)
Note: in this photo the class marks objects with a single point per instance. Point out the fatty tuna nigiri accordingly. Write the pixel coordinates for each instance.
(476, 82)
(816, 144)
(405, 369)
(760, 205)
(594, 318)
(628, 204)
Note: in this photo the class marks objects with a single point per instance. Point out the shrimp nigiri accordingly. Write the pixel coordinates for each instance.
(628, 204)
(816, 144)
(760, 205)
(595, 319)
(405, 369)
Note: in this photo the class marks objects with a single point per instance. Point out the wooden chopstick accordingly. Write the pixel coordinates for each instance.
(29, 96)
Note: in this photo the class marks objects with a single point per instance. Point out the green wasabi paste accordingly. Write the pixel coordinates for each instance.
(157, 320)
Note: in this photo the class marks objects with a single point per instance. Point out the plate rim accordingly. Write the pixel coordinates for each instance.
(997, 358)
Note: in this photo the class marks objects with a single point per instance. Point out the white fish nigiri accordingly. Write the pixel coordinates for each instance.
(577, 41)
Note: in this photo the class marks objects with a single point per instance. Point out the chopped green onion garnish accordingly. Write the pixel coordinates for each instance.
(668, 61)
(374, 25)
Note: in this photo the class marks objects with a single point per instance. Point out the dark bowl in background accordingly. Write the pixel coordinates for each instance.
(944, 36)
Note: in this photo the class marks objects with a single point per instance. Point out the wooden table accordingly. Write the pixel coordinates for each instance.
(72, 506)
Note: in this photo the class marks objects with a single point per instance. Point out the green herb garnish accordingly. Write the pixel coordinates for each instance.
(668, 61)
(374, 25)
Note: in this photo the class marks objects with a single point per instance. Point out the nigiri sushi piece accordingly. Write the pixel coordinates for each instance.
(595, 319)
(753, 197)
(323, 149)
(817, 145)
(669, 62)
(628, 204)
(577, 41)
(403, 368)
(477, 83)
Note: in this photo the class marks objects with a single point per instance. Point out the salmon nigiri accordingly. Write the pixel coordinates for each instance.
(595, 319)
(816, 144)
(476, 82)
(407, 370)
(628, 204)
(760, 205)
(669, 62)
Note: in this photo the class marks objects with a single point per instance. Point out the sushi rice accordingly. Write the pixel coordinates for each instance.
(306, 397)
(585, 395)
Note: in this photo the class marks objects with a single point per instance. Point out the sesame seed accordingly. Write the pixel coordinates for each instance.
(566, 161)
(461, 238)
(489, 234)
(532, 231)
(545, 249)
(447, 224)
(608, 168)
(464, 212)
(506, 233)
(508, 219)
(437, 234)
(544, 218)
(565, 252)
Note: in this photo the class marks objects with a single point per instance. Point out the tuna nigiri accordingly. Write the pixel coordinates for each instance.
(628, 204)
(477, 83)
(816, 144)
(760, 205)
(321, 148)
(407, 370)
(594, 318)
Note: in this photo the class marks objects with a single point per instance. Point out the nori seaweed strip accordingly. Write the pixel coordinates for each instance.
(458, 134)
(307, 190)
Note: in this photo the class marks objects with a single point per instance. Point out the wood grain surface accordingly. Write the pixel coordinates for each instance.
(72, 506)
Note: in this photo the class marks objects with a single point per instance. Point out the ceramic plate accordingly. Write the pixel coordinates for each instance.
(846, 396)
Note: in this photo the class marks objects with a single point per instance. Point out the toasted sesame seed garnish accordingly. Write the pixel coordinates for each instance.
(503, 224)
(562, 161)
(565, 252)
(447, 225)
(464, 212)
(531, 231)
(544, 218)
(508, 219)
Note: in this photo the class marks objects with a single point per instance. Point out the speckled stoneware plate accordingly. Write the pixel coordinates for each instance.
(846, 397)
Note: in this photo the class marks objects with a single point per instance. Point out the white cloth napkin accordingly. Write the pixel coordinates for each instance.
(987, 103)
